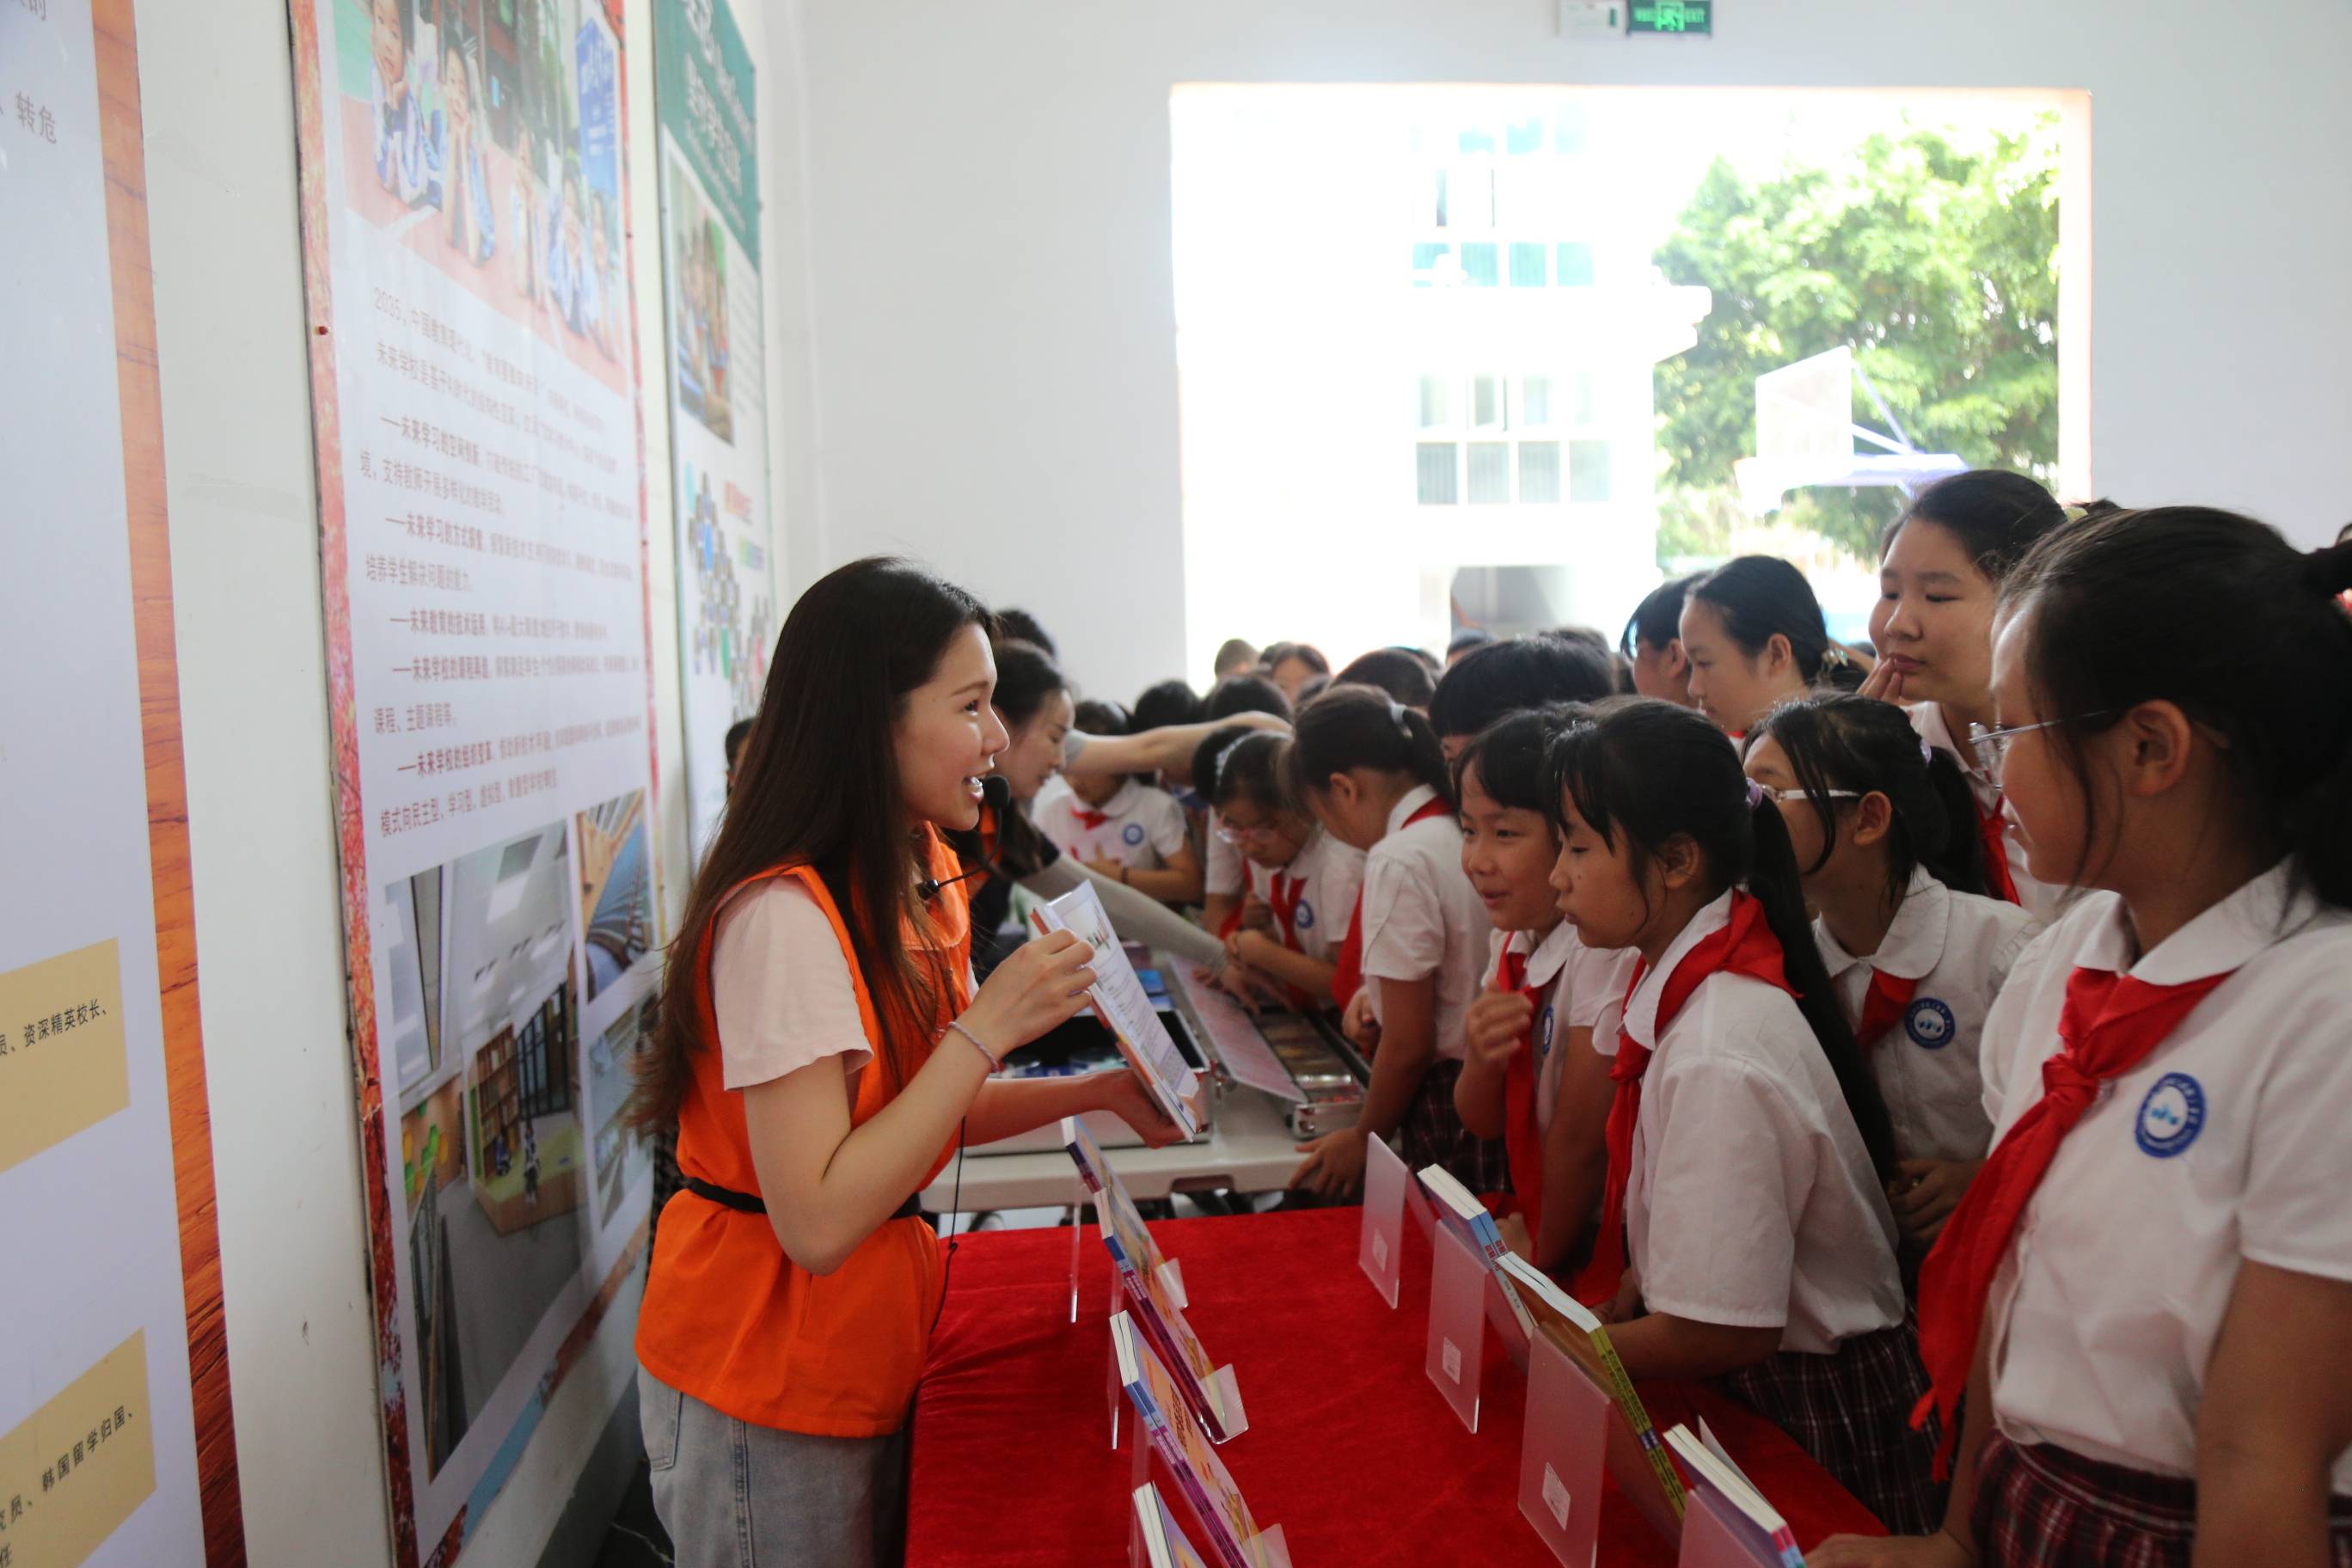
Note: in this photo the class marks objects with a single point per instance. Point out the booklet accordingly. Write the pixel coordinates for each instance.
(1120, 1003)
(1124, 1232)
(1768, 1533)
(1165, 1545)
(1234, 1036)
(1457, 1203)
(1183, 1446)
(1570, 1325)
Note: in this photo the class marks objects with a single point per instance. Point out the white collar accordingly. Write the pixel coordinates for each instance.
(2263, 911)
(1642, 1007)
(1547, 957)
(1413, 800)
(1118, 805)
(1914, 940)
(1927, 719)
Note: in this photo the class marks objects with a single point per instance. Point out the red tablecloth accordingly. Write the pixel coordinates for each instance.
(1350, 1448)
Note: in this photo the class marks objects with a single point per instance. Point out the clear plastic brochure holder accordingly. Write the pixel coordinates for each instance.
(1123, 1299)
(1267, 1549)
(1718, 1535)
(1380, 1251)
(1458, 1282)
(1562, 1452)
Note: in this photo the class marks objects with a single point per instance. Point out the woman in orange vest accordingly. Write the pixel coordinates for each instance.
(825, 1055)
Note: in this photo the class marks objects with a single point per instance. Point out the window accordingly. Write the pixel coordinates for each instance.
(1436, 402)
(1588, 471)
(1490, 472)
(1435, 466)
(1535, 400)
(1485, 402)
(1478, 265)
(1582, 400)
(1574, 258)
(1523, 136)
(1539, 471)
(1527, 266)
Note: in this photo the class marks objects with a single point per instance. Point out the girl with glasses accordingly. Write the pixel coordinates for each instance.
(1301, 883)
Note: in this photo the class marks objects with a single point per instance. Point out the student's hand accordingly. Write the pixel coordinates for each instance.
(1938, 1551)
(1124, 1096)
(1105, 866)
(1883, 682)
(1514, 1229)
(1041, 983)
(1496, 1027)
(1626, 1304)
(1334, 1166)
(1257, 913)
(1359, 1024)
(1927, 1192)
(1252, 946)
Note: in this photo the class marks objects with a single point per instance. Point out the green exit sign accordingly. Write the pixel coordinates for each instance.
(1673, 15)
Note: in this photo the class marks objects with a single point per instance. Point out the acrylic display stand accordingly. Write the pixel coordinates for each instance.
(1381, 1252)
(1458, 1282)
(1718, 1535)
(1266, 1549)
(1561, 1452)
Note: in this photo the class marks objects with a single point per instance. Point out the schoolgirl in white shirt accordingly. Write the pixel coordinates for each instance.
(1753, 638)
(1300, 884)
(1223, 880)
(1748, 1148)
(1531, 1076)
(2148, 1290)
(1416, 948)
(1940, 569)
(1120, 826)
(1885, 834)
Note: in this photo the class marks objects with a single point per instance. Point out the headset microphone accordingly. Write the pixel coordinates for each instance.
(997, 795)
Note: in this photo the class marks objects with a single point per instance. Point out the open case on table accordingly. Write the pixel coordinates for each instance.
(1300, 1058)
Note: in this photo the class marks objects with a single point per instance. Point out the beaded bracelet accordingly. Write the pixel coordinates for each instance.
(994, 1064)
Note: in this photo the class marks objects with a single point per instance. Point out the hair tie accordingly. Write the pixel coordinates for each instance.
(1927, 751)
(1396, 716)
(1755, 794)
(1217, 769)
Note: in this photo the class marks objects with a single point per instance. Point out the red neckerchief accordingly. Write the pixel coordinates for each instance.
(2108, 1026)
(1522, 1138)
(1348, 974)
(1745, 945)
(1285, 904)
(1999, 882)
(1089, 820)
(1881, 1006)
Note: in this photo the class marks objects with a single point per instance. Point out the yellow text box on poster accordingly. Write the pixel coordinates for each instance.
(73, 1471)
(62, 1062)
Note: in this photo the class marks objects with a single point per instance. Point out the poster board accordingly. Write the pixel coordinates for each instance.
(707, 111)
(474, 394)
(117, 1441)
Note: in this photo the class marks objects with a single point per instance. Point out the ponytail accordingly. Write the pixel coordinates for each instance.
(1651, 772)
(1859, 743)
(1773, 883)
(1351, 726)
(2128, 607)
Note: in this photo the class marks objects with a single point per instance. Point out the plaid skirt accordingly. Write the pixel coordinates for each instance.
(1431, 1134)
(2041, 1506)
(1850, 1410)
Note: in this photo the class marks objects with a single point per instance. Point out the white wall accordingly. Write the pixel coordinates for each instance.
(989, 205)
(231, 327)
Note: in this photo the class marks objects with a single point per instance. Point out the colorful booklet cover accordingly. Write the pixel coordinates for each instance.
(1570, 1325)
(1457, 1203)
(1119, 1001)
(1768, 1531)
(1165, 1544)
(1157, 1309)
(1183, 1446)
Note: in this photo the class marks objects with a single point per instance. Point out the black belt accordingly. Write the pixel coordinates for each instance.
(750, 1202)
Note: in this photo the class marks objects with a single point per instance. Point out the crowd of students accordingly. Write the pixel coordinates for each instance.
(1936, 1046)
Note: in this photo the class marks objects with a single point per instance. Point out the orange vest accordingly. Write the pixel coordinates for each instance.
(731, 1320)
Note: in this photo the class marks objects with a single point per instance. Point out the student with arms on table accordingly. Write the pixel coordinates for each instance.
(824, 1055)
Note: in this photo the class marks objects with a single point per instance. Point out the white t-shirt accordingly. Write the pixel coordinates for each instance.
(1959, 948)
(1751, 1201)
(1573, 984)
(1423, 917)
(1139, 827)
(2040, 898)
(1327, 876)
(1222, 873)
(780, 987)
(2226, 1142)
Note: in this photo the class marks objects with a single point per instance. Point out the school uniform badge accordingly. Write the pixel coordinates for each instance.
(1132, 834)
(1929, 1024)
(2171, 1116)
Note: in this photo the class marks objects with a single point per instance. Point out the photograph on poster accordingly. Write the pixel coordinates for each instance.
(729, 631)
(616, 889)
(482, 139)
(697, 308)
(623, 1153)
(492, 1156)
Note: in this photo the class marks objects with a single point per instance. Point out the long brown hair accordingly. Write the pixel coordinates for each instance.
(817, 785)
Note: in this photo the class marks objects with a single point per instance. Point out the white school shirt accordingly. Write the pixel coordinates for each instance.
(1959, 948)
(1423, 917)
(2226, 1143)
(1223, 872)
(1751, 1201)
(1330, 875)
(1141, 826)
(2040, 898)
(1572, 985)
